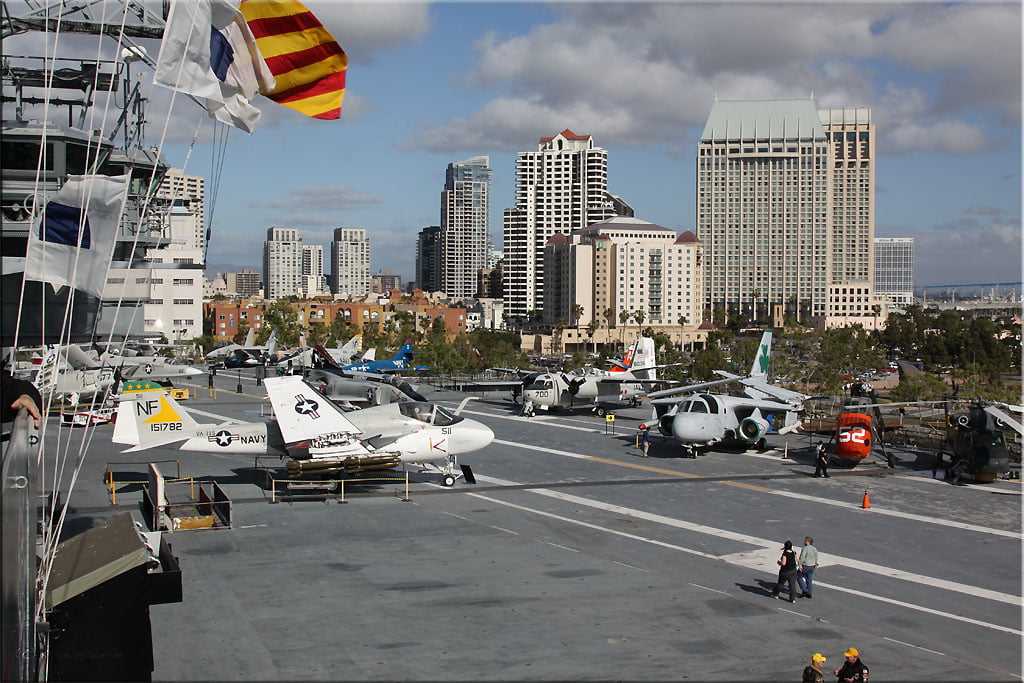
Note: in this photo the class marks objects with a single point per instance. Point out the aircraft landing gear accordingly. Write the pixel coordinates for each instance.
(762, 445)
(600, 411)
(448, 480)
(689, 451)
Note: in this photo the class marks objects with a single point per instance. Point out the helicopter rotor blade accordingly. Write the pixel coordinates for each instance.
(1000, 415)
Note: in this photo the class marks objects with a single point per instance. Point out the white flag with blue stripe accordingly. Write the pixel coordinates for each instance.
(75, 238)
(209, 51)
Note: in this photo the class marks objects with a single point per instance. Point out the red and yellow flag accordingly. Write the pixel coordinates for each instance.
(307, 62)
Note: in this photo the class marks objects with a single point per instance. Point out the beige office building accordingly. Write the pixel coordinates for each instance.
(624, 265)
(785, 205)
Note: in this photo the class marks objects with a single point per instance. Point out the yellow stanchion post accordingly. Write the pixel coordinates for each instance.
(407, 498)
(192, 488)
(273, 498)
(113, 491)
(341, 489)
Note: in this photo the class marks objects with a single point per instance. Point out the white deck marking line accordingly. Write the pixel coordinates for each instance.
(691, 551)
(543, 419)
(904, 515)
(934, 652)
(866, 567)
(806, 497)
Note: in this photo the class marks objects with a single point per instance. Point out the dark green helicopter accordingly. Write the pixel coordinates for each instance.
(975, 443)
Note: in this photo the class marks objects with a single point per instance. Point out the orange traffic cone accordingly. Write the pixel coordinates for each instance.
(866, 504)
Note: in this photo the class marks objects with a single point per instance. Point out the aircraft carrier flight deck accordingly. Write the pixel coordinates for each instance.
(574, 558)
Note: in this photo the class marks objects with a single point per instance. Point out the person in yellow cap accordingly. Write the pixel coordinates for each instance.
(813, 672)
(853, 670)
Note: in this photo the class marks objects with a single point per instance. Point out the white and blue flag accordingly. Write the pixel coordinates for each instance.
(75, 238)
(209, 51)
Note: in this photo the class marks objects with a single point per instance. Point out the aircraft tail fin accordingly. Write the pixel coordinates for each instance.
(763, 356)
(644, 360)
(627, 361)
(250, 338)
(272, 342)
(152, 419)
(322, 358)
(404, 353)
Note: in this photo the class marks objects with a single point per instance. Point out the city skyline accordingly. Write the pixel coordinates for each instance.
(429, 85)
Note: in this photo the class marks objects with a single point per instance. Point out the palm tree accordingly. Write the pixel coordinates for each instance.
(592, 327)
(638, 318)
(623, 318)
(876, 309)
(682, 329)
(577, 313)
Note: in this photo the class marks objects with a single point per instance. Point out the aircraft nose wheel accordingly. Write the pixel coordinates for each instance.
(448, 480)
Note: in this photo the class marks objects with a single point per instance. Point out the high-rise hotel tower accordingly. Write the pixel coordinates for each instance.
(465, 239)
(350, 262)
(560, 187)
(785, 205)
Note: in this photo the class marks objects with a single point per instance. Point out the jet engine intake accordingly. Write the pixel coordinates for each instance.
(752, 428)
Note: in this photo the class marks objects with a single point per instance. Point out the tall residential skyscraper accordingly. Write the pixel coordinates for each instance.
(785, 204)
(465, 209)
(282, 263)
(350, 262)
(894, 269)
(313, 280)
(428, 259)
(187, 217)
(560, 187)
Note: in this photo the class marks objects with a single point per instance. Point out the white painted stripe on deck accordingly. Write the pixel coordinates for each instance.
(866, 567)
(807, 497)
(691, 551)
(903, 515)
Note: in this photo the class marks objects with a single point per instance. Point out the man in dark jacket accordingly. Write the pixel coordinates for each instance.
(853, 670)
(16, 394)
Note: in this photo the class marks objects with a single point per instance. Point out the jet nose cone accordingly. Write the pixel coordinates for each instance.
(474, 436)
(689, 427)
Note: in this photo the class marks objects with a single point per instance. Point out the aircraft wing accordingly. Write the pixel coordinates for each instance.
(765, 390)
(634, 380)
(687, 389)
(758, 387)
(302, 413)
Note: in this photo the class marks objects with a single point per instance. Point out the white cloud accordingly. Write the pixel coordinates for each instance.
(364, 29)
(993, 249)
(324, 198)
(637, 73)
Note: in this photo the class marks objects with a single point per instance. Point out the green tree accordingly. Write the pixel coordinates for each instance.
(280, 316)
(243, 332)
(340, 330)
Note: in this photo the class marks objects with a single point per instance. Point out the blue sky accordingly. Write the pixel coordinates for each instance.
(433, 83)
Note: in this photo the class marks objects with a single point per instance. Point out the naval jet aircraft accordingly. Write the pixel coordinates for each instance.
(595, 387)
(316, 434)
(245, 356)
(352, 389)
(68, 373)
(699, 420)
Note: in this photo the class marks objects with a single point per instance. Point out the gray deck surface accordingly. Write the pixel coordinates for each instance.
(573, 558)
